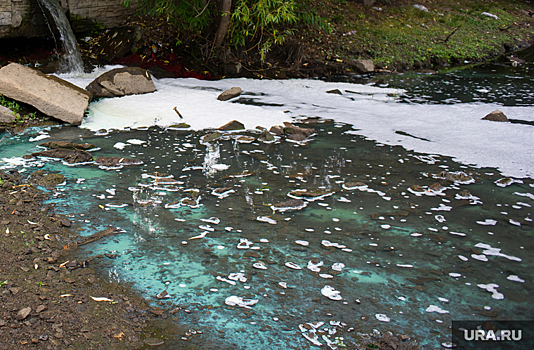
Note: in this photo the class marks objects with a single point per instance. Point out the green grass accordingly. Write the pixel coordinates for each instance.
(22, 113)
(451, 31)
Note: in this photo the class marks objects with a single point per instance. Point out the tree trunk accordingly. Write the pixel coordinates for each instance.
(224, 23)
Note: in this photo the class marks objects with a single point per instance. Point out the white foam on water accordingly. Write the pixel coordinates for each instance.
(457, 233)
(489, 250)
(120, 145)
(480, 257)
(266, 219)
(331, 293)
(377, 115)
(39, 138)
(434, 308)
(492, 288)
(528, 195)
(487, 222)
(515, 278)
(382, 318)
(136, 141)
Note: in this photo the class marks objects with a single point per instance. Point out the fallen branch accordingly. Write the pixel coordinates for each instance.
(95, 237)
(449, 36)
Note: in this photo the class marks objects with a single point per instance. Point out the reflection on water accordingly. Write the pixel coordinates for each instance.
(389, 239)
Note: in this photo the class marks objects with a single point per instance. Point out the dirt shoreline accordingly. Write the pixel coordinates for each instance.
(47, 287)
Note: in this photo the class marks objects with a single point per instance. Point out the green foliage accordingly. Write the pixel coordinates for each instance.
(191, 15)
(404, 36)
(3, 283)
(21, 114)
(254, 24)
(9, 103)
(259, 22)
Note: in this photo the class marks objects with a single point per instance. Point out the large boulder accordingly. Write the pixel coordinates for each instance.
(6, 115)
(51, 95)
(122, 81)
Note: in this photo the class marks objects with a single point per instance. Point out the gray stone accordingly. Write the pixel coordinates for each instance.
(51, 95)
(277, 130)
(496, 116)
(230, 93)
(6, 115)
(122, 81)
(266, 136)
(291, 129)
(364, 66)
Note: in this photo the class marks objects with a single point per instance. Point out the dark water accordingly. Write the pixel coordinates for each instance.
(500, 81)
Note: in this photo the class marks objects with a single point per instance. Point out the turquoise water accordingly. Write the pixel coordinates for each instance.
(405, 255)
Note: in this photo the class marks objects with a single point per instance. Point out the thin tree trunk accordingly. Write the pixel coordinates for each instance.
(224, 23)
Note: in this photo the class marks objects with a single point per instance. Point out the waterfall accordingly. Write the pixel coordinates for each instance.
(72, 61)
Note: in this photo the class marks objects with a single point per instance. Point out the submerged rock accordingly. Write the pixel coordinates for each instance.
(222, 192)
(496, 116)
(266, 136)
(117, 161)
(68, 155)
(458, 176)
(121, 82)
(48, 180)
(67, 145)
(291, 129)
(51, 95)
(229, 94)
(352, 185)
(310, 195)
(507, 181)
(211, 137)
(292, 204)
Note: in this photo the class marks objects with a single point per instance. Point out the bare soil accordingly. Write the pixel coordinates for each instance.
(48, 291)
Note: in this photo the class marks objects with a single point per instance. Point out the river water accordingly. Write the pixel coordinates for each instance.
(391, 244)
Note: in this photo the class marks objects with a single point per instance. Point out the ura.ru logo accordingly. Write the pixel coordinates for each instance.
(501, 335)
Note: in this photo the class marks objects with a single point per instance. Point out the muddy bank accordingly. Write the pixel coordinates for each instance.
(51, 296)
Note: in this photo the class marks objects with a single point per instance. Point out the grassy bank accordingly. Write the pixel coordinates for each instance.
(396, 34)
